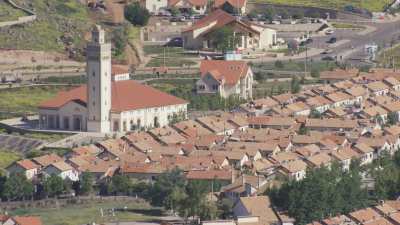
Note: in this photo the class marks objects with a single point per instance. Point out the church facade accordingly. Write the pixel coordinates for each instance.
(109, 102)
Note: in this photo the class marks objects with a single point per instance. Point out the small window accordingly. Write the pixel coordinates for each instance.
(94, 88)
(93, 74)
(94, 103)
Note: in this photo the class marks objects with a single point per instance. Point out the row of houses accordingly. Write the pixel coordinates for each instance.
(197, 6)
(386, 213)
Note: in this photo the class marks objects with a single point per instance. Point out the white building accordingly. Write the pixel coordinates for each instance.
(62, 170)
(225, 78)
(154, 6)
(110, 102)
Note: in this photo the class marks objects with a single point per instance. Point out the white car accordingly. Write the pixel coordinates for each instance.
(329, 32)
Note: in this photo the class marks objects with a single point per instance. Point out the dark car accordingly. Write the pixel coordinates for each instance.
(175, 42)
(328, 58)
(332, 40)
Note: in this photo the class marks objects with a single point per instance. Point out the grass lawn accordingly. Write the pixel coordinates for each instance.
(6, 158)
(55, 18)
(157, 49)
(170, 62)
(372, 5)
(7, 12)
(21, 101)
(295, 66)
(386, 58)
(347, 26)
(88, 213)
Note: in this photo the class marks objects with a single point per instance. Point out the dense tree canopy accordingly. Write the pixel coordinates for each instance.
(322, 193)
(136, 14)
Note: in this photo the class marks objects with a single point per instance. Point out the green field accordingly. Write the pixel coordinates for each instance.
(6, 158)
(389, 56)
(21, 101)
(56, 19)
(170, 62)
(8, 13)
(372, 5)
(88, 213)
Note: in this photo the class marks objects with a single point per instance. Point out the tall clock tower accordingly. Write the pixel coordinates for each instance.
(98, 71)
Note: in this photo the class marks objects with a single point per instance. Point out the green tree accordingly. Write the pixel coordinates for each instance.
(119, 38)
(279, 64)
(315, 73)
(86, 183)
(174, 11)
(53, 186)
(120, 184)
(315, 114)
(224, 39)
(270, 13)
(392, 118)
(165, 184)
(136, 14)
(17, 187)
(295, 85)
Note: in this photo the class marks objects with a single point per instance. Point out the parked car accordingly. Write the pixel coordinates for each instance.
(328, 58)
(332, 40)
(329, 32)
(327, 51)
(175, 42)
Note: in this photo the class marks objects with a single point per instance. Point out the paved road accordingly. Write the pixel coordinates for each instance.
(383, 34)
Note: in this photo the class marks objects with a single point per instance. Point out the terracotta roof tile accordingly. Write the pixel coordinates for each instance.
(27, 164)
(229, 71)
(126, 95)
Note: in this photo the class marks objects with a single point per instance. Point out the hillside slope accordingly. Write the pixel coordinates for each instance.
(60, 25)
(371, 5)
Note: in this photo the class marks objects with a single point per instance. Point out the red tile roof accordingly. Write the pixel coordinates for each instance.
(27, 220)
(234, 3)
(198, 2)
(126, 95)
(27, 164)
(230, 71)
(220, 17)
(119, 69)
(209, 175)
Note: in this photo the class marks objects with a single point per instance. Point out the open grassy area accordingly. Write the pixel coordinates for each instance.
(56, 20)
(295, 66)
(22, 101)
(347, 26)
(157, 49)
(372, 5)
(88, 213)
(8, 13)
(170, 62)
(389, 56)
(6, 158)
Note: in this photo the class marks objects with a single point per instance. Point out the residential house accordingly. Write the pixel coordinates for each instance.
(225, 78)
(333, 124)
(366, 152)
(256, 206)
(295, 170)
(199, 35)
(259, 106)
(392, 82)
(196, 6)
(154, 6)
(319, 103)
(24, 167)
(344, 156)
(63, 170)
(238, 5)
(340, 99)
(377, 88)
(217, 125)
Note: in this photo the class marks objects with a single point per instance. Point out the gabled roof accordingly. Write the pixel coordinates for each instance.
(234, 3)
(27, 164)
(219, 18)
(27, 220)
(229, 71)
(126, 95)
